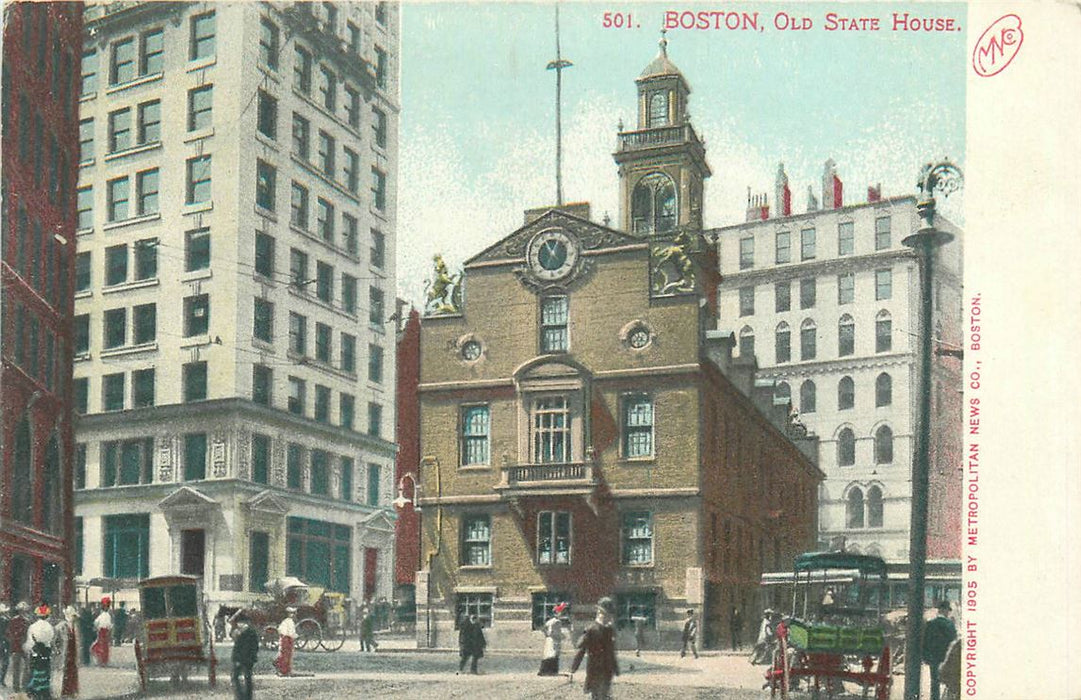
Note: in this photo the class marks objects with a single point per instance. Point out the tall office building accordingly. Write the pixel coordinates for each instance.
(827, 303)
(40, 149)
(234, 364)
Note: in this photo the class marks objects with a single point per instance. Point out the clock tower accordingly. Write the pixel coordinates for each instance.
(662, 163)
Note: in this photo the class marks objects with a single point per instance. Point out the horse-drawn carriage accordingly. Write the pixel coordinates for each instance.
(321, 617)
(172, 639)
(835, 633)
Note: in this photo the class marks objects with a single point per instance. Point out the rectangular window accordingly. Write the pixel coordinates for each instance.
(116, 264)
(349, 293)
(298, 268)
(152, 52)
(298, 206)
(640, 605)
(846, 338)
(352, 107)
(80, 467)
(146, 185)
(262, 385)
(375, 478)
(115, 328)
(882, 233)
(808, 342)
(196, 315)
(118, 194)
(553, 537)
(783, 296)
(479, 604)
(198, 189)
(376, 307)
(197, 249)
(375, 364)
(263, 321)
(301, 137)
(260, 458)
(375, 420)
(637, 426)
(883, 335)
(258, 559)
(80, 389)
(327, 148)
(347, 411)
(297, 395)
(555, 320)
(381, 13)
(551, 430)
(379, 189)
(320, 475)
(302, 71)
(349, 353)
(86, 140)
(352, 171)
(267, 118)
(200, 108)
(202, 36)
(149, 123)
(80, 334)
(346, 481)
(544, 604)
(746, 301)
(319, 553)
(126, 550)
(846, 288)
(379, 127)
(146, 259)
(636, 534)
(264, 255)
(746, 252)
(807, 292)
(294, 466)
(328, 88)
(322, 342)
(353, 32)
(269, 43)
(266, 180)
(194, 375)
(298, 333)
(112, 392)
(194, 456)
(378, 252)
(144, 321)
(84, 208)
(476, 540)
(846, 238)
(381, 67)
(807, 244)
(122, 66)
(476, 436)
(883, 284)
(142, 388)
(783, 342)
(90, 73)
(324, 219)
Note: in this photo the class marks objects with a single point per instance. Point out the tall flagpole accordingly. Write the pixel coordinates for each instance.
(558, 65)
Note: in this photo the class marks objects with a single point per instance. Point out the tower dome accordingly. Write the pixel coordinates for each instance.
(661, 65)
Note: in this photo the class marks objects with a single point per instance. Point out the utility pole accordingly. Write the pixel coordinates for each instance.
(558, 65)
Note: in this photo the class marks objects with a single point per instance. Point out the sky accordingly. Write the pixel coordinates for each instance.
(477, 140)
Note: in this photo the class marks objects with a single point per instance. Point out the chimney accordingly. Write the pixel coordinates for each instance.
(812, 201)
(874, 193)
(832, 189)
(757, 207)
(782, 196)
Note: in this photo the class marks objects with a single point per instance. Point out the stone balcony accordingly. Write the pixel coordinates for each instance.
(567, 478)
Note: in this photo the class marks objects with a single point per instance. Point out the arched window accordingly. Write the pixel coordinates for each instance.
(746, 342)
(51, 519)
(807, 397)
(874, 507)
(808, 340)
(653, 205)
(658, 109)
(782, 393)
(846, 336)
(846, 393)
(783, 343)
(883, 332)
(846, 448)
(884, 445)
(854, 509)
(883, 390)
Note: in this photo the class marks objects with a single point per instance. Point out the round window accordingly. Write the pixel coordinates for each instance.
(638, 337)
(471, 350)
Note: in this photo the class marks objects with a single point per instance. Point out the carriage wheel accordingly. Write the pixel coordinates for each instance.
(309, 634)
(333, 640)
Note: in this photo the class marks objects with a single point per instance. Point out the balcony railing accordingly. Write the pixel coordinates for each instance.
(547, 477)
(661, 136)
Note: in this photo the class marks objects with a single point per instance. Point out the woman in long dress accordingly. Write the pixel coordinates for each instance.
(553, 641)
(287, 632)
(103, 623)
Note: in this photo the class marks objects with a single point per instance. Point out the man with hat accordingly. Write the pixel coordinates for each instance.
(938, 634)
(690, 635)
(39, 648)
(245, 652)
(103, 623)
(287, 634)
(553, 641)
(599, 641)
(17, 630)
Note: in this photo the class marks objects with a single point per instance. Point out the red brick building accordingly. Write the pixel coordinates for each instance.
(407, 527)
(42, 55)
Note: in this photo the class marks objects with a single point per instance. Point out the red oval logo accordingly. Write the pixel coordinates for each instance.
(997, 46)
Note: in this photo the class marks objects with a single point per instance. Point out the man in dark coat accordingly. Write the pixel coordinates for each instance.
(690, 635)
(471, 642)
(86, 634)
(938, 634)
(120, 624)
(736, 627)
(599, 641)
(245, 651)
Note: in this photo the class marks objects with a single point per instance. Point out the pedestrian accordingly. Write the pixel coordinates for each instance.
(736, 627)
(287, 633)
(5, 647)
(86, 634)
(761, 653)
(471, 643)
(938, 634)
(553, 642)
(639, 621)
(245, 652)
(17, 630)
(103, 624)
(120, 624)
(367, 630)
(39, 650)
(690, 635)
(599, 641)
(69, 685)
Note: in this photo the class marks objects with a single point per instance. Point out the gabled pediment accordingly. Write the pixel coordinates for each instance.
(187, 498)
(590, 236)
(269, 503)
(379, 520)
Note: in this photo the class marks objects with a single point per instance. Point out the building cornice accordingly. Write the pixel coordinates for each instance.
(888, 203)
(839, 365)
(599, 375)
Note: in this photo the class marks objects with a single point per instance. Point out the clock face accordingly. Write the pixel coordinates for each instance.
(552, 255)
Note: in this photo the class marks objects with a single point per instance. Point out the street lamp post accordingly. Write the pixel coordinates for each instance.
(944, 177)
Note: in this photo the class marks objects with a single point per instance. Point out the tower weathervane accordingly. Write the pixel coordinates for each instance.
(558, 65)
